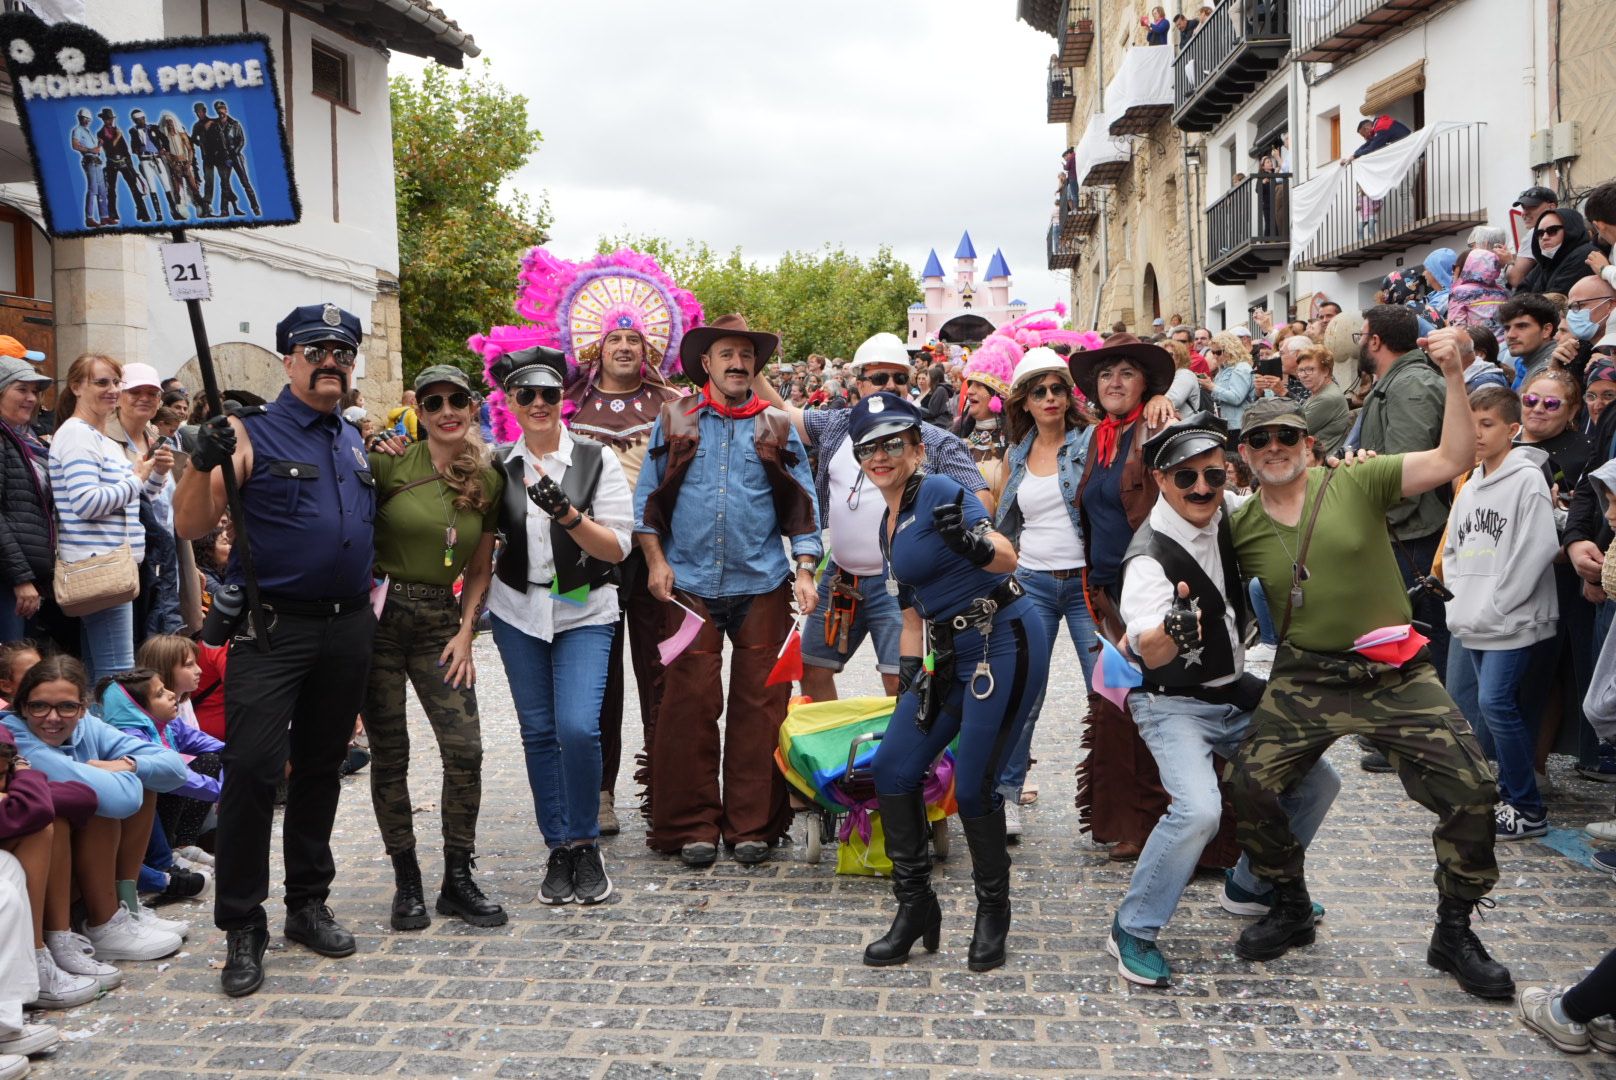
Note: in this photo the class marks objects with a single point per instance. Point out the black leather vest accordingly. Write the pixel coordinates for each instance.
(1216, 660)
(573, 566)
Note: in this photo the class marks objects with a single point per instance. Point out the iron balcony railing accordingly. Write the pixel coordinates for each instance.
(1249, 229)
(1062, 98)
(1331, 30)
(1077, 34)
(1079, 211)
(1230, 54)
(1064, 249)
(1441, 195)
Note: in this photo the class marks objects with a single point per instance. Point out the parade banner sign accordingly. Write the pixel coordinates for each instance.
(146, 137)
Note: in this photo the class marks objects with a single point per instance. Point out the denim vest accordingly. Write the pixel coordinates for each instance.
(1068, 466)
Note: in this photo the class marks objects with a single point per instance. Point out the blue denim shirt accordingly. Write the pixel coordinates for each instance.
(1068, 466)
(724, 538)
(1231, 389)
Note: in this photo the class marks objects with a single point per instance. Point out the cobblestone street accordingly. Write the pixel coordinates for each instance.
(734, 974)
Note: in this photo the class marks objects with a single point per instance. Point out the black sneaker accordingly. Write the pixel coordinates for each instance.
(557, 887)
(183, 885)
(1510, 824)
(590, 885)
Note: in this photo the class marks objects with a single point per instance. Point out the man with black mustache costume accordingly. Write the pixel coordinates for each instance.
(1186, 614)
(308, 500)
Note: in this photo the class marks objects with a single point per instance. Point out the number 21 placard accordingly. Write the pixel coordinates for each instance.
(186, 271)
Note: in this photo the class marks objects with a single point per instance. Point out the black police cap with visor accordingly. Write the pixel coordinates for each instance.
(879, 415)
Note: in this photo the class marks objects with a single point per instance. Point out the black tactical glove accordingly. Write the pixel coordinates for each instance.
(972, 543)
(548, 496)
(1183, 623)
(908, 668)
(215, 444)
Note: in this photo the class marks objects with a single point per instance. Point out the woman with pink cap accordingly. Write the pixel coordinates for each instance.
(157, 608)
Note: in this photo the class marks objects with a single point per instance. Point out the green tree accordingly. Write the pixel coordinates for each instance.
(457, 140)
(825, 301)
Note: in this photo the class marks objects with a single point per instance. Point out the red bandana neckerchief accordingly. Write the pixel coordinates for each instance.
(1110, 431)
(745, 411)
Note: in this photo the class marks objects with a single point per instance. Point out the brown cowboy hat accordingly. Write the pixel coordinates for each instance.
(696, 343)
(1155, 361)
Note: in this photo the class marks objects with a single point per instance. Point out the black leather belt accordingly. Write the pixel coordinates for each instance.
(982, 611)
(316, 609)
(411, 590)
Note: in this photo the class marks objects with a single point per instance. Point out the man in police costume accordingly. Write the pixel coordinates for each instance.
(1186, 615)
(308, 500)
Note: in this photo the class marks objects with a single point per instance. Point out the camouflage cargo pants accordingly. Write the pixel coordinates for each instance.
(409, 639)
(1312, 700)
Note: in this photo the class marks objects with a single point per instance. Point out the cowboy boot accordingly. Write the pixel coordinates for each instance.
(409, 900)
(1456, 950)
(1288, 922)
(919, 918)
(460, 895)
(990, 871)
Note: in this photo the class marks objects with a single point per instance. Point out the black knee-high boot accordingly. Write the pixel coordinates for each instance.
(903, 820)
(990, 870)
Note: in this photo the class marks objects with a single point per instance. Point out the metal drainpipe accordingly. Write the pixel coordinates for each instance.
(1189, 223)
(1099, 98)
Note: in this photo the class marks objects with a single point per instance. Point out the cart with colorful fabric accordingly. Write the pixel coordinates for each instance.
(825, 753)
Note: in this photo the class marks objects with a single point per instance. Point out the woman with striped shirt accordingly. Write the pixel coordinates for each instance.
(97, 493)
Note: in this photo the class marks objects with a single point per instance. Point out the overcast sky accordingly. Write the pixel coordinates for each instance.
(785, 126)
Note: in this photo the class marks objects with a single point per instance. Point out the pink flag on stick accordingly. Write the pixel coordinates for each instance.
(674, 646)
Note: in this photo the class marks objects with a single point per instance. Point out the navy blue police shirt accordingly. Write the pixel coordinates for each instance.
(310, 503)
(935, 580)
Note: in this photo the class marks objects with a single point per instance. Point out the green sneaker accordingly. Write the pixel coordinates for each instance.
(1237, 901)
(1138, 960)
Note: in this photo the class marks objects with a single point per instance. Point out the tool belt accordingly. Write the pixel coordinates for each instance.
(842, 611)
(932, 686)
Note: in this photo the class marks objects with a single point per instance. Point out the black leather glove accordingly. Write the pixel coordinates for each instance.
(215, 444)
(908, 668)
(973, 544)
(1183, 623)
(548, 496)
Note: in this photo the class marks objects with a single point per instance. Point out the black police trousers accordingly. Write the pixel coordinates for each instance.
(296, 702)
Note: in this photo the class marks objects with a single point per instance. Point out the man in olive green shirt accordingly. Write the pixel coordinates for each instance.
(1345, 585)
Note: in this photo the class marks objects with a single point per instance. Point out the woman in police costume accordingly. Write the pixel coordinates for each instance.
(986, 659)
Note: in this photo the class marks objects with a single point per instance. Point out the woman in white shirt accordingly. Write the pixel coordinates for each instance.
(566, 519)
(97, 493)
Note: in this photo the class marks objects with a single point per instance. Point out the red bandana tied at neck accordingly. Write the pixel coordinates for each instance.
(1110, 431)
(745, 411)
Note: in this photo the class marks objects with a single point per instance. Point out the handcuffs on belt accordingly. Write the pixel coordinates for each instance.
(980, 614)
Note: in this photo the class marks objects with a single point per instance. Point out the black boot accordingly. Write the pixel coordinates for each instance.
(409, 899)
(1288, 922)
(919, 918)
(244, 960)
(990, 870)
(1456, 950)
(460, 896)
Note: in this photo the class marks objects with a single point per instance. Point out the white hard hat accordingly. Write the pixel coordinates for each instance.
(1036, 363)
(882, 348)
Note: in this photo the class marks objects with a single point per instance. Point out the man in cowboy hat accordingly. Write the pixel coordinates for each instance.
(853, 601)
(710, 524)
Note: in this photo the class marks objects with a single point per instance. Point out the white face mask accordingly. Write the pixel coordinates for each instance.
(1548, 250)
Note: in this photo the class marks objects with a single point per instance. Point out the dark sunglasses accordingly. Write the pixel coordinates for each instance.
(1257, 440)
(1039, 393)
(1184, 479)
(1550, 404)
(342, 357)
(1551, 230)
(1213, 352)
(457, 400)
(524, 395)
(892, 446)
(879, 379)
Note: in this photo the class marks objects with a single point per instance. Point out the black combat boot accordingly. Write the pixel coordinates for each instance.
(460, 896)
(919, 918)
(409, 899)
(1289, 922)
(990, 871)
(1456, 950)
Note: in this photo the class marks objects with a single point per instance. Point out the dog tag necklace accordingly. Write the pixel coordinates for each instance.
(1298, 571)
(451, 535)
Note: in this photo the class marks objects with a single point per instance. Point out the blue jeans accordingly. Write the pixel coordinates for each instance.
(1498, 674)
(556, 687)
(877, 616)
(107, 641)
(158, 861)
(1183, 733)
(1052, 600)
(988, 728)
(1460, 680)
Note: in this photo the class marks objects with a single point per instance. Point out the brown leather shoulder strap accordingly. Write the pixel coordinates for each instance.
(405, 487)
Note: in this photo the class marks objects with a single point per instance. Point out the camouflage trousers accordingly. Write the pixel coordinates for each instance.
(410, 637)
(1312, 700)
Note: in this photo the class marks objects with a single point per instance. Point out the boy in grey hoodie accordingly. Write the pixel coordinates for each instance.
(1498, 562)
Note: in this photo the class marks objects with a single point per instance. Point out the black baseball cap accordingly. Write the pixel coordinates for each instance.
(1537, 195)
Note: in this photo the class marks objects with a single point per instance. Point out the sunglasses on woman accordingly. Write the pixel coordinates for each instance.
(1551, 230)
(1184, 479)
(1549, 404)
(879, 379)
(457, 400)
(1213, 352)
(105, 383)
(1258, 440)
(524, 395)
(1039, 393)
(67, 710)
(892, 446)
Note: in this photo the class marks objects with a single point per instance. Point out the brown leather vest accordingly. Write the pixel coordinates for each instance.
(681, 431)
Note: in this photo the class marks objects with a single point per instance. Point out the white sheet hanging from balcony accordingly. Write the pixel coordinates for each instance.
(1376, 174)
(1144, 78)
(1097, 147)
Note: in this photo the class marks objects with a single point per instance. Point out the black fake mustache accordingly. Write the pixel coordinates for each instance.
(341, 376)
(1199, 498)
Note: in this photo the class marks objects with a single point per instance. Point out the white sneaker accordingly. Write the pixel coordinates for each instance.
(13, 1066)
(1601, 830)
(59, 989)
(123, 937)
(147, 917)
(32, 1039)
(75, 955)
(1012, 819)
(195, 856)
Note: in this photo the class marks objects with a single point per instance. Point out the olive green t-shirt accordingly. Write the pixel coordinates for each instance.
(411, 526)
(1353, 585)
